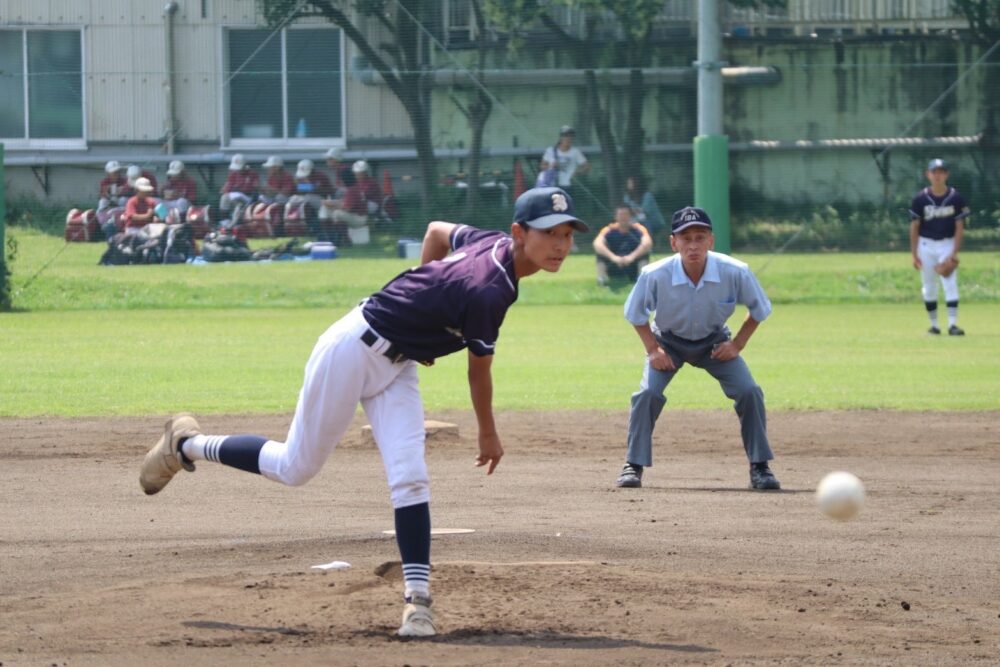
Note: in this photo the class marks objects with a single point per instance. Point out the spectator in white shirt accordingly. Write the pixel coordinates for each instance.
(564, 160)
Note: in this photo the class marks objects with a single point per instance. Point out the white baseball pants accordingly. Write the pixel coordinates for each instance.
(342, 372)
(931, 253)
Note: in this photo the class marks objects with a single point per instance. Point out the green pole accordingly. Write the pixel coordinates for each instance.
(3, 211)
(711, 184)
(4, 287)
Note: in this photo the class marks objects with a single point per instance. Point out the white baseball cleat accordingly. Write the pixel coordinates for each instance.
(164, 460)
(418, 620)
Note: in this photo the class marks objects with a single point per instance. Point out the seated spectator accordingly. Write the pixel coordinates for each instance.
(622, 248)
(280, 185)
(139, 207)
(113, 186)
(240, 188)
(369, 188)
(312, 188)
(352, 209)
(134, 173)
(180, 190)
(334, 163)
(644, 206)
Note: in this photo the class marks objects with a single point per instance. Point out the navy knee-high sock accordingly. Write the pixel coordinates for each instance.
(237, 451)
(413, 535)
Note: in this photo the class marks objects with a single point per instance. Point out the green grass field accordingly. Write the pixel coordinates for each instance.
(847, 333)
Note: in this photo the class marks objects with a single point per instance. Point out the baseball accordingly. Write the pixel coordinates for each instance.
(840, 495)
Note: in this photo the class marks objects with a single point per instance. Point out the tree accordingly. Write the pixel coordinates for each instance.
(984, 24)
(633, 49)
(636, 20)
(477, 111)
(401, 61)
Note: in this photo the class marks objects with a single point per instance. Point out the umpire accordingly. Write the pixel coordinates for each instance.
(690, 296)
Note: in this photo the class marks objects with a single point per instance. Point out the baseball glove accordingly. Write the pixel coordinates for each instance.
(947, 267)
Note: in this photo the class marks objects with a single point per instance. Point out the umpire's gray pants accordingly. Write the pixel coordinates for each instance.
(737, 383)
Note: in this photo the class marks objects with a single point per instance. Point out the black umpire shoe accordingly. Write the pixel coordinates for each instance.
(934, 330)
(630, 477)
(954, 330)
(762, 479)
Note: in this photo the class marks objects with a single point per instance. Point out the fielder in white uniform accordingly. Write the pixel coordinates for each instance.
(455, 300)
(938, 215)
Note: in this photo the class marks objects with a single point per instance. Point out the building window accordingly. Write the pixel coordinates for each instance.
(284, 87)
(41, 87)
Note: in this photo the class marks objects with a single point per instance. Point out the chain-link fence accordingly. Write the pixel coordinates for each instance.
(832, 112)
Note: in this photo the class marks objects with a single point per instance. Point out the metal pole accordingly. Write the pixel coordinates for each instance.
(711, 146)
(168, 18)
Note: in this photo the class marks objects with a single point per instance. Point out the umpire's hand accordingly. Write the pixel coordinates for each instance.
(660, 360)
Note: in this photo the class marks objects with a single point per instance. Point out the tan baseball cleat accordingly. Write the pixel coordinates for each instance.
(164, 460)
(418, 620)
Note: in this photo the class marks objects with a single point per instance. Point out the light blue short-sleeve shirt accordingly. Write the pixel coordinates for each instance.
(692, 311)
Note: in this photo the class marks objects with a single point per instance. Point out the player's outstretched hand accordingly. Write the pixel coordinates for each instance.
(660, 360)
(725, 351)
(490, 451)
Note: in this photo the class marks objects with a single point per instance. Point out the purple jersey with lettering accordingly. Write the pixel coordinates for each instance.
(937, 215)
(449, 304)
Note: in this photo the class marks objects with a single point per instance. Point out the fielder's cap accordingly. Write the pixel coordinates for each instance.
(937, 163)
(359, 167)
(303, 169)
(544, 208)
(689, 216)
(113, 166)
(566, 130)
(237, 162)
(335, 153)
(273, 161)
(143, 185)
(175, 168)
(134, 172)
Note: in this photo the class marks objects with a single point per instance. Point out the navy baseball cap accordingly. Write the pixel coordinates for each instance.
(544, 208)
(937, 163)
(689, 216)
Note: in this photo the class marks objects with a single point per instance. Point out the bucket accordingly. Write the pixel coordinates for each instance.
(409, 248)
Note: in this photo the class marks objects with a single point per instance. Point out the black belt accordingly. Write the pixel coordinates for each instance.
(391, 352)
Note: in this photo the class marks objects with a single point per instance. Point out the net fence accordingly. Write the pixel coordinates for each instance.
(832, 111)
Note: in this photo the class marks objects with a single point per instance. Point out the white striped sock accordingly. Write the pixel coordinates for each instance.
(417, 578)
(203, 447)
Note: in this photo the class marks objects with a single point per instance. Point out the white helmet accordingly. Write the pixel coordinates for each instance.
(113, 166)
(237, 162)
(335, 153)
(274, 161)
(175, 168)
(134, 172)
(359, 167)
(303, 169)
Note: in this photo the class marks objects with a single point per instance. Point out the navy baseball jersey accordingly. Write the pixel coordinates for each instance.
(623, 243)
(444, 306)
(938, 215)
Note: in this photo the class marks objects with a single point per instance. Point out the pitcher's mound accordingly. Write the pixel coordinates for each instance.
(437, 432)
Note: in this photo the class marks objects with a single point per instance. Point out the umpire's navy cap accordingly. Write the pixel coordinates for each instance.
(544, 208)
(689, 216)
(937, 163)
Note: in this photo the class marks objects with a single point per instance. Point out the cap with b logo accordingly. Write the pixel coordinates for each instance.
(544, 208)
(689, 216)
(937, 163)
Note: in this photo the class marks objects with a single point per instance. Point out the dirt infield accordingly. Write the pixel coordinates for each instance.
(562, 568)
